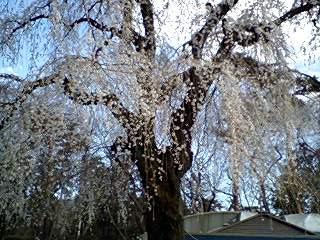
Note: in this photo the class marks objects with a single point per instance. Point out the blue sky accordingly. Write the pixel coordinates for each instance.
(297, 37)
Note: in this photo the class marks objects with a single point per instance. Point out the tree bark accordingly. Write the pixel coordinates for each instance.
(2, 224)
(164, 220)
(161, 178)
(161, 170)
(264, 197)
(235, 205)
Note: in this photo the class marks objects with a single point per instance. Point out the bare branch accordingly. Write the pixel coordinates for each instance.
(95, 24)
(29, 21)
(11, 77)
(34, 16)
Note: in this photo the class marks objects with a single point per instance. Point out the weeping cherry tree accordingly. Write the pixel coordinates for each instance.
(112, 53)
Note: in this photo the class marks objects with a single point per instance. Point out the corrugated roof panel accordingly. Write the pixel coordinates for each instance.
(265, 224)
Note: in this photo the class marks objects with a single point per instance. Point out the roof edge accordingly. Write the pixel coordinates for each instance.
(255, 235)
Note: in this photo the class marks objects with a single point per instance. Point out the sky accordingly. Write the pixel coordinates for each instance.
(177, 33)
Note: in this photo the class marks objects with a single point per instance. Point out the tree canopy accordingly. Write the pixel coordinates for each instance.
(122, 100)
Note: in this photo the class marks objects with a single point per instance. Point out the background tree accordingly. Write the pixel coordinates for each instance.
(106, 53)
(54, 185)
(298, 187)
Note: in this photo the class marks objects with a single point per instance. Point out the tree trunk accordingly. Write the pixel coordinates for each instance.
(44, 230)
(164, 220)
(235, 205)
(2, 224)
(161, 181)
(299, 204)
(264, 197)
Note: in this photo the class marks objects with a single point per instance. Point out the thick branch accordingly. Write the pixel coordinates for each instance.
(198, 81)
(127, 33)
(216, 14)
(138, 40)
(11, 77)
(125, 117)
(146, 9)
(307, 83)
(251, 34)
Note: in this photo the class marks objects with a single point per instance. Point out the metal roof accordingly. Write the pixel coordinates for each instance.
(246, 237)
(263, 224)
(309, 221)
(209, 221)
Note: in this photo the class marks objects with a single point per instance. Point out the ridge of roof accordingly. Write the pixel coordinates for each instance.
(211, 213)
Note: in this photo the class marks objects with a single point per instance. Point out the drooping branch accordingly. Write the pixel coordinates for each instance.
(198, 82)
(262, 73)
(126, 118)
(39, 13)
(26, 91)
(254, 69)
